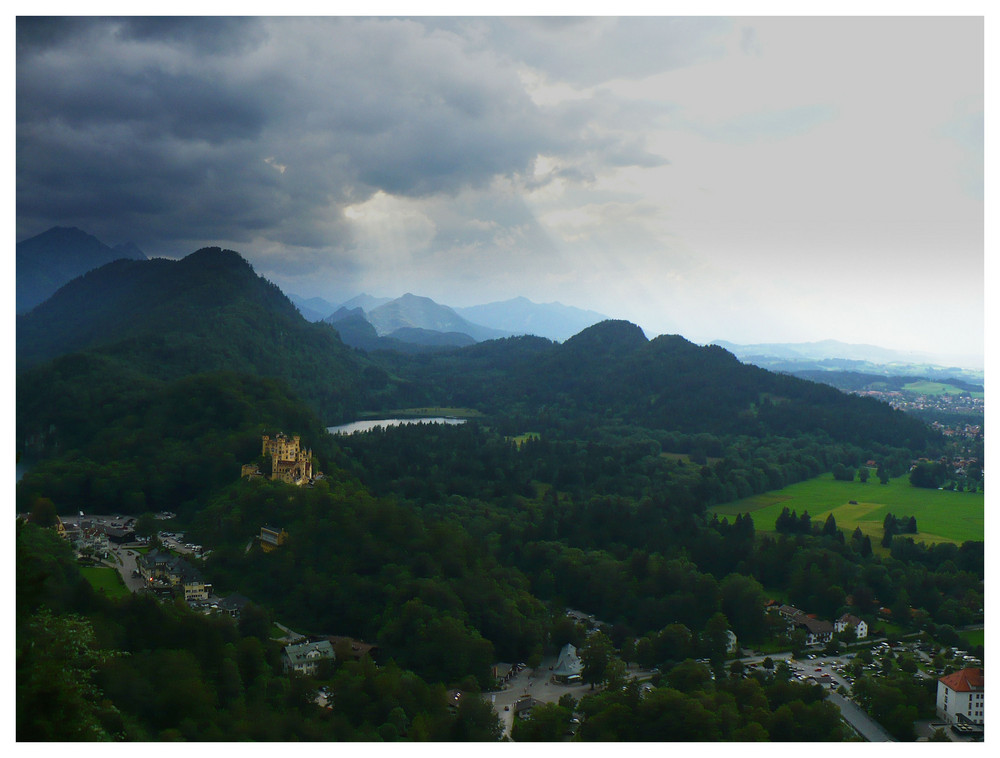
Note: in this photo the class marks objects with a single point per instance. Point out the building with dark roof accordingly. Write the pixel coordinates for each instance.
(569, 667)
(234, 604)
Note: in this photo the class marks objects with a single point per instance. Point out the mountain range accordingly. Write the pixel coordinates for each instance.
(53, 258)
(831, 355)
(413, 324)
(210, 312)
(505, 318)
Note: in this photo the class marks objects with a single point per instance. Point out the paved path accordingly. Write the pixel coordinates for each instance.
(865, 725)
(126, 566)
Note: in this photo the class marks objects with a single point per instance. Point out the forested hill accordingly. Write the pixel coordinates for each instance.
(207, 312)
(211, 312)
(665, 383)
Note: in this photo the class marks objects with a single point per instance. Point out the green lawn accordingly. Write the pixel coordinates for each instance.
(942, 516)
(105, 580)
(974, 638)
(925, 387)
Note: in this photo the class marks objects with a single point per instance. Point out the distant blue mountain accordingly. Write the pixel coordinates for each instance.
(312, 308)
(51, 259)
(423, 313)
(831, 355)
(521, 316)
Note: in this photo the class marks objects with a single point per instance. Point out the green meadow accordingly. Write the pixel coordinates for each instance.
(942, 516)
(105, 580)
(925, 387)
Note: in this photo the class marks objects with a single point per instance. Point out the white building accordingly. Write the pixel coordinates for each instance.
(860, 627)
(960, 696)
(731, 642)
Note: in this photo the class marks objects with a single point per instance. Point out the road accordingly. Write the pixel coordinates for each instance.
(864, 724)
(126, 566)
(534, 682)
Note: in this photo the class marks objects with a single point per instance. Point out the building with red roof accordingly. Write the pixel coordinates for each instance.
(960, 696)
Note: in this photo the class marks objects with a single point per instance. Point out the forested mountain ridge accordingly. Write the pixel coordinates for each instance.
(664, 383)
(211, 312)
(208, 311)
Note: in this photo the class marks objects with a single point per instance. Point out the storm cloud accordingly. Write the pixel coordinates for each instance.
(175, 131)
(690, 174)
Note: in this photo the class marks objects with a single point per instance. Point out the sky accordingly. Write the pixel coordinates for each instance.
(759, 179)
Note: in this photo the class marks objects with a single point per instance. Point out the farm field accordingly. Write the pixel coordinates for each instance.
(942, 516)
(105, 580)
(925, 387)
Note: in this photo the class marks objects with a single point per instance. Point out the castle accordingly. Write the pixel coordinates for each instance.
(289, 462)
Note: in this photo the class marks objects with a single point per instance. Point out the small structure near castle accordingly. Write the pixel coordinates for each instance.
(289, 462)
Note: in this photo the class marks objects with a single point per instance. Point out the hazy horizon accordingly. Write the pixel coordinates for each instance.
(755, 180)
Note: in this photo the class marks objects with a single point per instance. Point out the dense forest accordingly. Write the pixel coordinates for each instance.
(582, 481)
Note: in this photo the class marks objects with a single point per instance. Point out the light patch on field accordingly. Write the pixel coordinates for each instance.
(851, 512)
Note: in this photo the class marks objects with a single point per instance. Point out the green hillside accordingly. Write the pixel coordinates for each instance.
(207, 312)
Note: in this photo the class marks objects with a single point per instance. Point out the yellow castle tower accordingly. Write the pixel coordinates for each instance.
(289, 462)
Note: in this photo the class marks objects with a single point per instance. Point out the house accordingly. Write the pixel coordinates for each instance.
(155, 564)
(523, 706)
(960, 696)
(569, 667)
(790, 612)
(817, 631)
(233, 604)
(306, 656)
(272, 537)
(93, 540)
(860, 627)
(119, 534)
(731, 642)
(502, 672)
(175, 571)
(195, 587)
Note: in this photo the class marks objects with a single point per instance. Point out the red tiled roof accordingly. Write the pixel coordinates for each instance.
(966, 680)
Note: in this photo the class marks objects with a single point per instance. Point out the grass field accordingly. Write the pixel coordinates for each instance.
(942, 516)
(925, 387)
(973, 638)
(105, 580)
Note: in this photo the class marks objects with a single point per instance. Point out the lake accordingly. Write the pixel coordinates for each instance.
(366, 426)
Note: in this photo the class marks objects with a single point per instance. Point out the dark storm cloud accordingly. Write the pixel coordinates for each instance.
(191, 129)
(200, 35)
